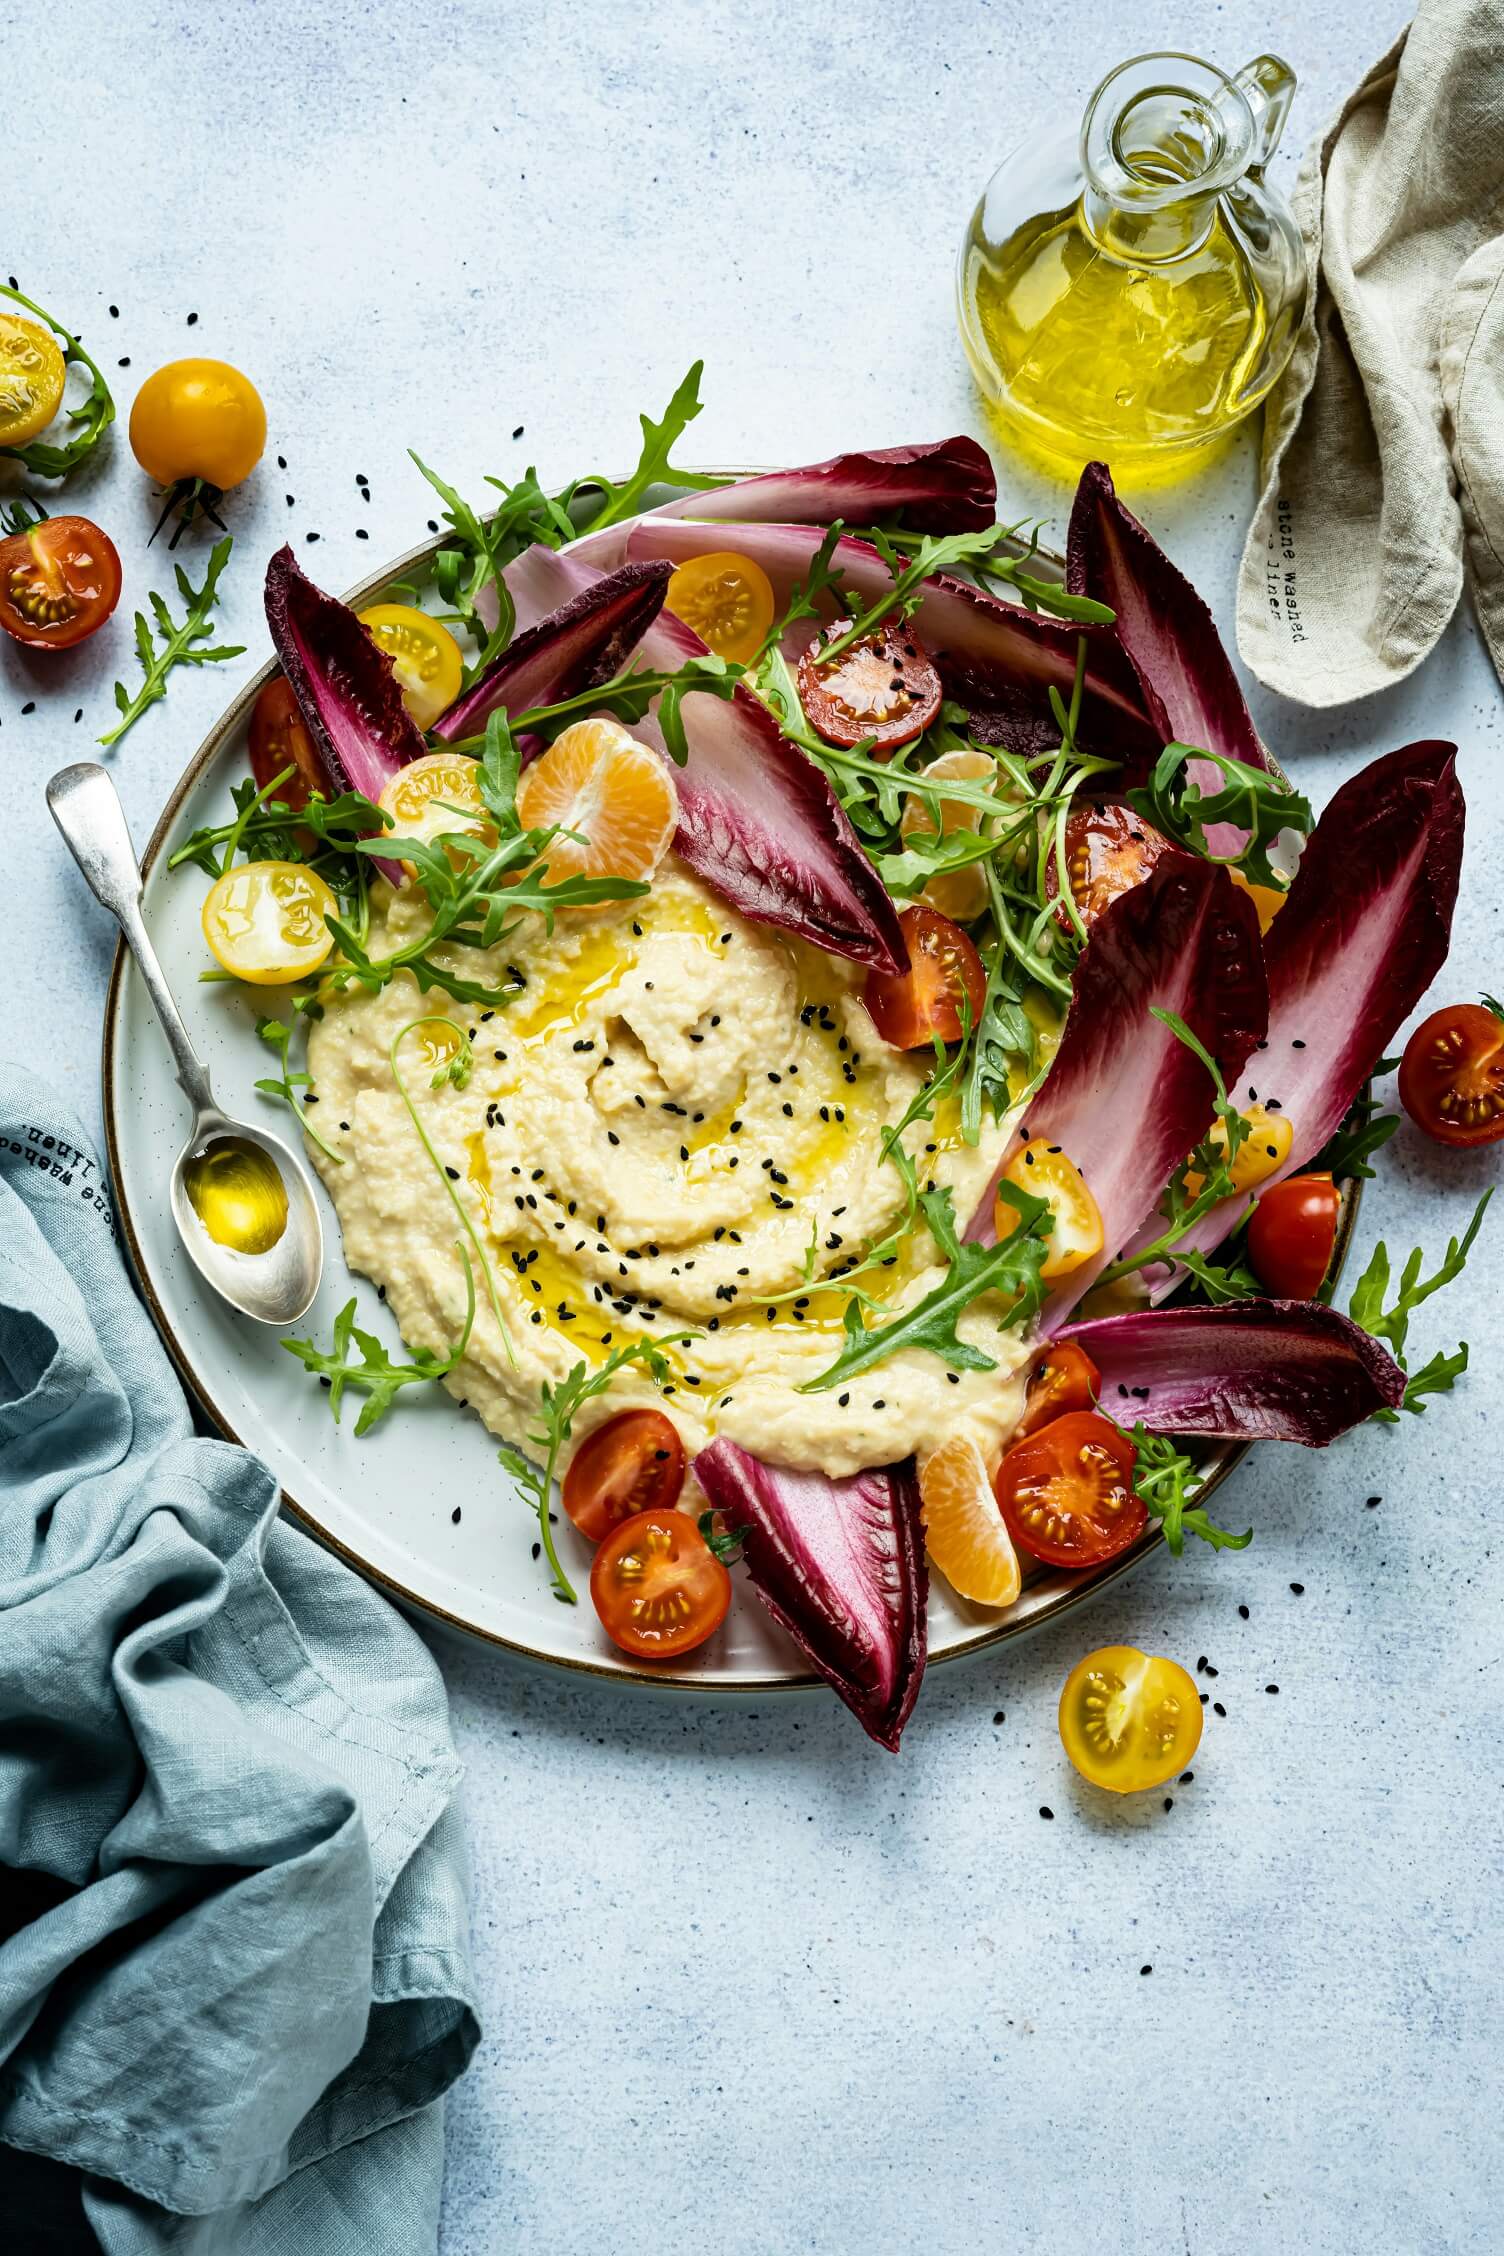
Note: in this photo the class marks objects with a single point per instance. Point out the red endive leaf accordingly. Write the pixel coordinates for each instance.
(945, 487)
(1364, 932)
(1168, 633)
(757, 820)
(997, 658)
(577, 647)
(1250, 1370)
(839, 1564)
(1125, 1098)
(346, 690)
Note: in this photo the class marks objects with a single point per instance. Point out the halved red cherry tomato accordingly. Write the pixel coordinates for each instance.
(634, 1462)
(1291, 1235)
(658, 1587)
(1452, 1076)
(1062, 1378)
(280, 739)
(1067, 1492)
(59, 582)
(883, 690)
(909, 1008)
(1108, 850)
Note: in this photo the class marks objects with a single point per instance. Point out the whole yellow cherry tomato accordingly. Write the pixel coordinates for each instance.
(32, 372)
(1129, 1720)
(198, 419)
(425, 657)
(727, 600)
(265, 921)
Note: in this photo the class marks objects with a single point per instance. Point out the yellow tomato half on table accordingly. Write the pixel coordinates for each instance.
(1129, 1720)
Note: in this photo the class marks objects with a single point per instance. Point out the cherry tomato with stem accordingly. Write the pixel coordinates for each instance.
(1108, 850)
(883, 691)
(1452, 1074)
(1062, 1378)
(910, 1008)
(1292, 1234)
(280, 739)
(198, 427)
(1067, 1492)
(59, 582)
(631, 1463)
(658, 1587)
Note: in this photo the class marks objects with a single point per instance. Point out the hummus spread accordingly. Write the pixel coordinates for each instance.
(674, 1126)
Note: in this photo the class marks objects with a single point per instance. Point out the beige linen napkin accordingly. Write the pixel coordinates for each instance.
(1383, 455)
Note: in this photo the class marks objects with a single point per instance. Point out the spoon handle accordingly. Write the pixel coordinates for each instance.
(86, 808)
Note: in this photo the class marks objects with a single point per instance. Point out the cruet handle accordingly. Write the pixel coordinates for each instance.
(1269, 87)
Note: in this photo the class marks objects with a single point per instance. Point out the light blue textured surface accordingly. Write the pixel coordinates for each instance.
(745, 1978)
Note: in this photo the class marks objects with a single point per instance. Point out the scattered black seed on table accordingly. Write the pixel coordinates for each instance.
(1169, 1801)
(1218, 1709)
(1243, 1612)
(1203, 1697)
(1044, 1812)
(114, 313)
(1185, 1777)
(124, 362)
(192, 319)
(455, 1515)
(1369, 1501)
(998, 1717)
(1271, 1687)
(361, 533)
(537, 1550)
(1146, 1970)
(292, 501)
(310, 536)
(518, 432)
(30, 706)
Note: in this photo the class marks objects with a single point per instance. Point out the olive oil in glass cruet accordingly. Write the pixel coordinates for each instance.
(1130, 293)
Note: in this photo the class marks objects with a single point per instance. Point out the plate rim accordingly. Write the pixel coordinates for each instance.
(1061, 1599)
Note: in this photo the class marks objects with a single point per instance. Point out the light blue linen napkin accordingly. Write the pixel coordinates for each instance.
(236, 1982)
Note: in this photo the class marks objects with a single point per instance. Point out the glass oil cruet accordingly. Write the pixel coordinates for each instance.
(1133, 292)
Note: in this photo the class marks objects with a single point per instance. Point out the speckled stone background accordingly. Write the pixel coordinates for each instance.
(748, 1983)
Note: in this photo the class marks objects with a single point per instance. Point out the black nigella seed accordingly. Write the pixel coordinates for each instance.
(124, 361)
(518, 432)
(1271, 1687)
(1369, 1501)
(1299, 1589)
(998, 1717)
(281, 462)
(1146, 1970)
(1185, 1777)
(192, 320)
(1045, 1812)
(114, 313)
(1243, 1612)
(455, 1515)
(1218, 1709)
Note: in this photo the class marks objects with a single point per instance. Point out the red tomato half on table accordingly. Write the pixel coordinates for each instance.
(1292, 1233)
(658, 1587)
(1067, 1492)
(1452, 1076)
(910, 1008)
(59, 582)
(631, 1463)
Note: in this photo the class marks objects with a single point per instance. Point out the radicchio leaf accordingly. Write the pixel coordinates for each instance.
(1167, 632)
(997, 658)
(1364, 932)
(346, 690)
(1125, 1098)
(1250, 1370)
(757, 820)
(946, 487)
(577, 647)
(839, 1564)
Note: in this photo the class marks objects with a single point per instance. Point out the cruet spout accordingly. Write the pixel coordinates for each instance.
(1268, 86)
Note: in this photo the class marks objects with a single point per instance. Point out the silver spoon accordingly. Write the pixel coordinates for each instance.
(274, 1284)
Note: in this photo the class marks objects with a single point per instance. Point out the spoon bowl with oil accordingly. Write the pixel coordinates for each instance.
(243, 1203)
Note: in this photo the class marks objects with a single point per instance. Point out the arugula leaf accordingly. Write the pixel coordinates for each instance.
(93, 418)
(1012, 1267)
(182, 645)
(725, 1546)
(267, 829)
(653, 464)
(376, 1374)
(1392, 1325)
(560, 1406)
(1166, 1478)
(463, 572)
(1253, 799)
(913, 558)
(278, 1036)
(1364, 1131)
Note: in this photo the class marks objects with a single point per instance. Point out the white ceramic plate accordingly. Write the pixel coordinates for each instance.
(421, 1506)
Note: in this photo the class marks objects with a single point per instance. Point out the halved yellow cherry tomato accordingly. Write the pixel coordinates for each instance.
(32, 371)
(424, 655)
(1265, 1148)
(198, 419)
(1129, 1720)
(728, 601)
(1042, 1169)
(265, 921)
(1267, 900)
(420, 796)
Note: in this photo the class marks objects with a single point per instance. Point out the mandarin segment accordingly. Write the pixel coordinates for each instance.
(963, 1528)
(611, 799)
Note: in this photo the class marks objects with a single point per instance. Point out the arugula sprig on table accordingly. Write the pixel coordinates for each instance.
(1392, 1325)
(184, 642)
(90, 419)
(560, 1404)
